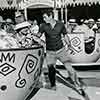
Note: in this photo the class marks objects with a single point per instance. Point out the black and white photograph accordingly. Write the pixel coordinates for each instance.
(49, 49)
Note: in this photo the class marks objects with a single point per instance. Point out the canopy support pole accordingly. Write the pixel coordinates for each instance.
(25, 13)
(55, 11)
(62, 13)
(66, 14)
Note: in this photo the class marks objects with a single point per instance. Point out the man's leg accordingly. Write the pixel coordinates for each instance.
(72, 74)
(51, 61)
(63, 57)
(52, 75)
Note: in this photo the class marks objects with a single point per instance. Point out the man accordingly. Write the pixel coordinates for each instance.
(54, 30)
(98, 25)
(90, 32)
(9, 26)
(81, 27)
(71, 25)
(23, 32)
(89, 37)
(6, 41)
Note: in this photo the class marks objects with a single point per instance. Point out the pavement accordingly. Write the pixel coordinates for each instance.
(63, 92)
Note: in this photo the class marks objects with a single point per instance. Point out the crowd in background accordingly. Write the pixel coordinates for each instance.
(19, 34)
(24, 31)
(89, 28)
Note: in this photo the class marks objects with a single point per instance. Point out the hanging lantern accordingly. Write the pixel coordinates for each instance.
(9, 2)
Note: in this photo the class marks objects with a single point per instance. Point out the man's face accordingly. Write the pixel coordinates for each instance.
(47, 18)
(90, 24)
(73, 25)
(19, 19)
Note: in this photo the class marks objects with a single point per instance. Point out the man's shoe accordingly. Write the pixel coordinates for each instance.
(48, 86)
(80, 85)
(54, 88)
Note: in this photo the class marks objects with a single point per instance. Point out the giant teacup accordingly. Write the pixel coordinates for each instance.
(83, 51)
(19, 72)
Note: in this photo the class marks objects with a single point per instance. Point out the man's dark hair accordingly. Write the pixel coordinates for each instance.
(49, 12)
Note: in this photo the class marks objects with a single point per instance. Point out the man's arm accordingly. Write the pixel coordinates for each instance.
(36, 38)
(67, 40)
(65, 36)
(38, 35)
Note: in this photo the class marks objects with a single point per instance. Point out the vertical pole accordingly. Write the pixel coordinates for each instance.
(25, 13)
(62, 4)
(56, 15)
(18, 6)
(66, 10)
(61, 13)
(55, 11)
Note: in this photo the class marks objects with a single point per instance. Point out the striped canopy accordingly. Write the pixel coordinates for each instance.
(81, 2)
(8, 4)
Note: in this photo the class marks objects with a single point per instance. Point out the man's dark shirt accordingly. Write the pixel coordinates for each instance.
(53, 35)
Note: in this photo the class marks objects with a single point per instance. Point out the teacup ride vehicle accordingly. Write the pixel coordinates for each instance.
(20, 70)
(82, 53)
